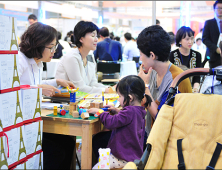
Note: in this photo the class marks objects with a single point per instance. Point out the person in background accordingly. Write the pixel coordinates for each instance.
(130, 49)
(199, 35)
(107, 49)
(172, 40)
(157, 22)
(111, 35)
(154, 54)
(184, 55)
(38, 44)
(32, 19)
(66, 37)
(198, 45)
(58, 53)
(127, 125)
(74, 65)
(99, 38)
(211, 32)
(117, 38)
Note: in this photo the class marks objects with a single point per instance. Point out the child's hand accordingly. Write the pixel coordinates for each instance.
(112, 109)
(93, 110)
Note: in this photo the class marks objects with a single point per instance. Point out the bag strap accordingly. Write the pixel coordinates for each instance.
(215, 157)
(181, 165)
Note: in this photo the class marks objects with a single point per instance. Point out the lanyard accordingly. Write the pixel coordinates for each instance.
(182, 58)
(34, 75)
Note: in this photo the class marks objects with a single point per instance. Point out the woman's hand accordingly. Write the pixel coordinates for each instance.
(145, 77)
(48, 90)
(65, 83)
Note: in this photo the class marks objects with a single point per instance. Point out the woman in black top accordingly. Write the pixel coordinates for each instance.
(185, 55)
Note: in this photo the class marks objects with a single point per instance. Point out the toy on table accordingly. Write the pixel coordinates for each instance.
(99, 112)
(55, 111)
(96, 105)
(73, 104)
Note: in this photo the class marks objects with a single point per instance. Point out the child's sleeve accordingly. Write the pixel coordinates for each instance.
(123, 118)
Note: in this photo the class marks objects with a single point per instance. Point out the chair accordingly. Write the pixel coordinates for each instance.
(137, 59)
(188, 134)
(110, 69)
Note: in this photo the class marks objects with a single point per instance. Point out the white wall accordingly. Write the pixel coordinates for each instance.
(62, 25)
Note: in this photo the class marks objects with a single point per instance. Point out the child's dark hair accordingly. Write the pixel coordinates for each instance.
(134, 86)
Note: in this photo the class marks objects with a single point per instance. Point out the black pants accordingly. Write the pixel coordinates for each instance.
(57, 151)
(100, 140)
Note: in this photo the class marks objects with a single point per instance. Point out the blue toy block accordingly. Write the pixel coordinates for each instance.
(73, 97)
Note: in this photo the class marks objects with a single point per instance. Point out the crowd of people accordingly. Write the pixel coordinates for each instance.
(161, 53)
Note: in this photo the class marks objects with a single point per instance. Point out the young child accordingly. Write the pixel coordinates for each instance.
(128, 124)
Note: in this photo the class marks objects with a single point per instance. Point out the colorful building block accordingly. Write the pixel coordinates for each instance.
(55, 111)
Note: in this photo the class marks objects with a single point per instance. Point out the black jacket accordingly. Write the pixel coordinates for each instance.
(210, 37)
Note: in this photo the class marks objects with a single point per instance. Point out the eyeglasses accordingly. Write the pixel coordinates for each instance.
(218, 9)
(52, 49)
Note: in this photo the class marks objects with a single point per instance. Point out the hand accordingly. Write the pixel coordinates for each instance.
(107, 90)
(145, 77)
(218, 50)
(112, 109)
(48, 90)
(65, 83)
(93, 110)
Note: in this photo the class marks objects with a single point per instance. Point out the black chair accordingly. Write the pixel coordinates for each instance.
(137, 59)
(108, 68)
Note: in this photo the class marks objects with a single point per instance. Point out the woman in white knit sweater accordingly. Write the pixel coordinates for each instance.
(74, 65)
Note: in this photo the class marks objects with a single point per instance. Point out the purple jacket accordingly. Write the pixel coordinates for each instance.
(128, 128)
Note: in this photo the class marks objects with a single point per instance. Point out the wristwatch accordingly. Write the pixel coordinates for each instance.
(147, 85)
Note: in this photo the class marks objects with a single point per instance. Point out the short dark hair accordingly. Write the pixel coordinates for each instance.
(157, 21)
(171, 33)
(35, 38)
(81, 29)
(128, 36)
(198, 39)
(117, 38)
(201, 29)
(181, 34)
(104, 31)
(134, 86)
(32, 16)
(59, 35)
(155, 39)
(111, 35)
(217, 2)
(172, 39)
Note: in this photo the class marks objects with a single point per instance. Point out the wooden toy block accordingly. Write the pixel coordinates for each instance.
(96, 105)
(66, 107)
(72, 107)
(75, 114)
(85, 115)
